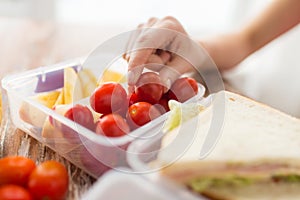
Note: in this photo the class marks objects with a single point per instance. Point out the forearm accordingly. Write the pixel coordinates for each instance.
(229, 50)
(278, 18)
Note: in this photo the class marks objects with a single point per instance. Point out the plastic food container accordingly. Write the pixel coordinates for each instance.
(93, 153)
(142, 154)
(122, 184)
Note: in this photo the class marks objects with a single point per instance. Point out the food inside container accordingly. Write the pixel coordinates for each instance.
(54, 105)
(235, 148)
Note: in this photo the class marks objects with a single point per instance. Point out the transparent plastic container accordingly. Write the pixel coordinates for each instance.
(93, 153)
(122, 184)
(143, 155)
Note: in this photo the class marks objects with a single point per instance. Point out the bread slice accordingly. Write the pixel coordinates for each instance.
(256, 142)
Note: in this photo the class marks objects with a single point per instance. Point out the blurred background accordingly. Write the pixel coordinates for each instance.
(197, 16)
(54, 30)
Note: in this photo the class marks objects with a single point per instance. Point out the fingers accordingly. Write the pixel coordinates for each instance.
(136, 64)
(130, 43)
(165, 56)
(154, 63)
(158, 60)
(151, 21)
(173, 70)
(147, 43)
(155, 34)
(139, 58)
(135, 34)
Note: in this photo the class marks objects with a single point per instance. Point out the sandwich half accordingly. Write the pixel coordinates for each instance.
(256, 156)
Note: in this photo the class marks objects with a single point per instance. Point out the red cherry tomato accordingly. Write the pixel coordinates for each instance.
(78, 113)
(108, 98)
(81, 115)
(183, 89)
(141, 113)
(14, 192)
(15, 170)
(133, 98)
(121, 112)
(164, 103)
(49, 180)
(149, 88)
(112, 125)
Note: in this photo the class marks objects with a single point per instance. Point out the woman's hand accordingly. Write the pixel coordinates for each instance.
(161, 45)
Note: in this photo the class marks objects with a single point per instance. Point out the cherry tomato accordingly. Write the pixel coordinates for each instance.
(183, 89)
(14, 192)
(108, 98)
(149, 88)
(112, 125)
(141, 113)
(78, 113)
(48, 180)
(164, 103)
(121, 112)
(15, 170)
(81, 115)
(133, 98)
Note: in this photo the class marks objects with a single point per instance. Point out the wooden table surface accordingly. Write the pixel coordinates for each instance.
(26, 44)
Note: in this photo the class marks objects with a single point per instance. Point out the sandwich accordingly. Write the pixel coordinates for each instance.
(255, 156)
